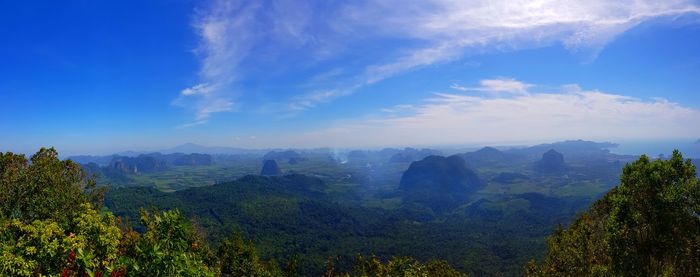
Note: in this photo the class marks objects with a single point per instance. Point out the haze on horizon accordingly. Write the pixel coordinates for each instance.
(99, 78)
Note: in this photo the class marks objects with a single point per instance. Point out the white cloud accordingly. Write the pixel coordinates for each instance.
(194, 123)
(235, 32)
(203, 88)
(450, 118)
(452, 28)
(304, 102)
(398, 109)
(213, 106)
(500, 85)
(227, 34)
(238, 35)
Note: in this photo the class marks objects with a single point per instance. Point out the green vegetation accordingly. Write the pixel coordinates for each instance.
(397, 266)
(181, 177)
(51, 224)
(647, 226)
(327, 206)
(295, 215)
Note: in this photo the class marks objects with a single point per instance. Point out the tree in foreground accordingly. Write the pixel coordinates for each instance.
(48, 221)
(396, 266)
(51, 224)
(239, 257)
(648, 226)
(169, 247)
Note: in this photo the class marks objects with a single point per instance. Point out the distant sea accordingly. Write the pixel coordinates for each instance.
(689, 148)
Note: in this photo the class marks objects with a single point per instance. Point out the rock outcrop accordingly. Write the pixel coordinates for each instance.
(135, 165)
(551, 162)
(270, 168)
(441, 183)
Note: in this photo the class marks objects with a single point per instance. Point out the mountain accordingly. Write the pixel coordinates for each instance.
(128, 153)
(486, 156)
(87, 159)
(358, 156)
(578, 149)
(281, 155)
(297, 160)
(270, 168)
(180, 159)
(135, 165)
(192, 159)
(170, 159)
(440, 183)
(486, 153)
(189, 148)
(412, 154)
(389, 151)
(551, 162)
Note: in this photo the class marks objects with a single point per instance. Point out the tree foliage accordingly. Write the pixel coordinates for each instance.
(238, 257)
(397, 266)
(648, 226)
(43, 187)
(47, 222)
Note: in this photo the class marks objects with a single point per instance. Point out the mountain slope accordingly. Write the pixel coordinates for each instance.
(441, 183)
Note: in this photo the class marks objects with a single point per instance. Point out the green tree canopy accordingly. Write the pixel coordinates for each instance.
(648, 226)
(43, 187)
(239, 257)
(169, 247)
(48, 225)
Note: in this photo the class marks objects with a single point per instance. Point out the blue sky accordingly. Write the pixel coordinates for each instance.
(100, 77)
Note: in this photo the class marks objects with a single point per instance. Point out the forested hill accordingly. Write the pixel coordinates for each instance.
(294, 215)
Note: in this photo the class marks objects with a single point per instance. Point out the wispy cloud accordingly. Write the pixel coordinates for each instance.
(194, 123)
(461, 118)
(227, 34)
(431, 32)
(398, 109)
(500, 85)
(203, 88)
(310, 100)
(451, 29)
